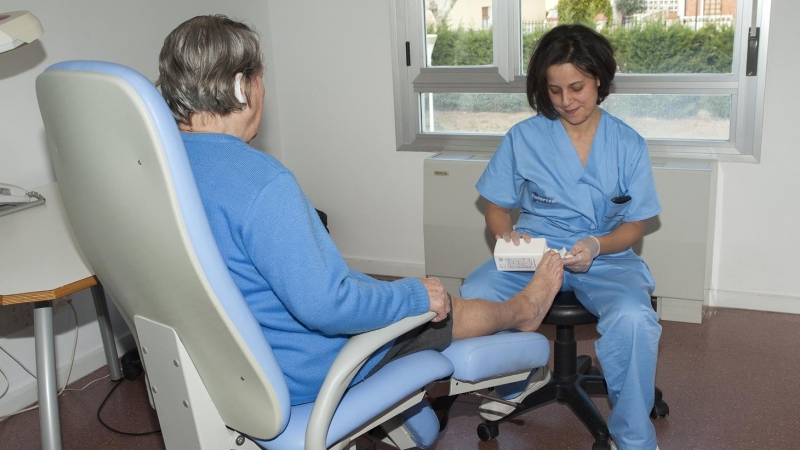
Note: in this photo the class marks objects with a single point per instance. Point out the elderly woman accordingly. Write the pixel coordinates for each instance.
(581, 179)
(292, 276)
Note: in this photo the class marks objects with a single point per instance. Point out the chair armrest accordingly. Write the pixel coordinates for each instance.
(347, 363)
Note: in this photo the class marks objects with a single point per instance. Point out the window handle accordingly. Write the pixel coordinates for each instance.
(751, 69)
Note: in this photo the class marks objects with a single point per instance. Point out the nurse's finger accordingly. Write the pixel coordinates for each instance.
(574, 262)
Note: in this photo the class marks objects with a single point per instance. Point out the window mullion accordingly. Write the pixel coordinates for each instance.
(407, 28)
(750, 111)
(505, 25)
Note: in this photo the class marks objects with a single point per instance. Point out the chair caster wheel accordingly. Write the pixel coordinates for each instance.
(488, 431)
(660, 409)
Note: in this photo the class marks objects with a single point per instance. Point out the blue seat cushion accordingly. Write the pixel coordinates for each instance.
(368, 399)
(504, 353)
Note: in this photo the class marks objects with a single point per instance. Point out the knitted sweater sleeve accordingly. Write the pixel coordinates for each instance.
(293, 252)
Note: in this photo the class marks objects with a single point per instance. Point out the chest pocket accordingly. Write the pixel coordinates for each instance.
(614, 213)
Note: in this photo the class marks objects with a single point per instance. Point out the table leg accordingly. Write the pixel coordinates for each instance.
(50, 427)
(106, 333)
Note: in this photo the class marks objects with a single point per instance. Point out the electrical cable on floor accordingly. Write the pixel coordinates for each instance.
(8, 383)
(100, 409)
(69, 372)
(89, 383)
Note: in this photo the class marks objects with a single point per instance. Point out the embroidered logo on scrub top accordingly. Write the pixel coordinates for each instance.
(541, 199)
(614, 216)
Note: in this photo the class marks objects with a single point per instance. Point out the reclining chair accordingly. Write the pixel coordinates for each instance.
(131, 199)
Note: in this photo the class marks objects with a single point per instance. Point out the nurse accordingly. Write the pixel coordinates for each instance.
(581, 179)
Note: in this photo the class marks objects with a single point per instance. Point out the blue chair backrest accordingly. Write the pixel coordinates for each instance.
(133, 204)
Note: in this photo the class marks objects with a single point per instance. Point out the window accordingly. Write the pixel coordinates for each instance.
(712, 7)
(691, 73)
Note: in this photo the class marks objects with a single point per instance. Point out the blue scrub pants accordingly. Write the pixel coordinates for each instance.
(617, 290)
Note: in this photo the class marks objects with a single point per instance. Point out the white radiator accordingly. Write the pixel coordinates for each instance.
(677, 246)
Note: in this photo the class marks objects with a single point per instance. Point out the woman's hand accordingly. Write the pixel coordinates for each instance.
(579, 258)
(510, 236)
(437, 296)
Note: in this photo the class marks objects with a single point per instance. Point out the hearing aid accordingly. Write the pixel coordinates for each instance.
(237, 88)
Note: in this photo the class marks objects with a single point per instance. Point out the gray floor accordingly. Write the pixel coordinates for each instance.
(731, 383)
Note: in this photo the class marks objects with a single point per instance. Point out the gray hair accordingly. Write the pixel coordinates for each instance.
(198, 63)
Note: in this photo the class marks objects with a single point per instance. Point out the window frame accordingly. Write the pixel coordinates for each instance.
(411, 77)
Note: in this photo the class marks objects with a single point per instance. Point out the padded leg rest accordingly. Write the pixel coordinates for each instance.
(504, 353)
(368, 399)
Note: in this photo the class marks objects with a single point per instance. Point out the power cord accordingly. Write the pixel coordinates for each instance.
(66, 383)
(8, 383)
(109, 427)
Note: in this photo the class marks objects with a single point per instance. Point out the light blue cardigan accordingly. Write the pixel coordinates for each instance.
(289, 270)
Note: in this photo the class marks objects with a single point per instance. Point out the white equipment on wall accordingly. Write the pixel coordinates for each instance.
(18, 28)
(678, 244)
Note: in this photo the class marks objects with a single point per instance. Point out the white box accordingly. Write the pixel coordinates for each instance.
(518, 258)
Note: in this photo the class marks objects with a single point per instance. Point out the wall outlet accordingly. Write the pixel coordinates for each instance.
(15, 317)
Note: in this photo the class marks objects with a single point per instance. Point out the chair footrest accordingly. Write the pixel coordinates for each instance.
(480, 358)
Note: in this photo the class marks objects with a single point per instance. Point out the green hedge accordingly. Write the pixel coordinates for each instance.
(642, 49)
(638, 49)
(668, 106)
(505, 103)
(462, 47)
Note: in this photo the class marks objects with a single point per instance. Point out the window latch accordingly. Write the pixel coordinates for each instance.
(751, 69)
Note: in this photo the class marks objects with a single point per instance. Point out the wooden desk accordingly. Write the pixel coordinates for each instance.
(41, 263)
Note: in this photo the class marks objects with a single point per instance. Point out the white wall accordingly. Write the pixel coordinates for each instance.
(757, 265)
(129, 33)
(333, 72)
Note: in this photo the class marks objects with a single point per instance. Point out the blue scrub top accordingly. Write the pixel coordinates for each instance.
(537, 169)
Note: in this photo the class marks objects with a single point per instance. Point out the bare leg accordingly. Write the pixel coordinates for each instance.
(524, 311)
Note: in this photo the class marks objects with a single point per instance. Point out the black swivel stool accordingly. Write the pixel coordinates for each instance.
(574, 378)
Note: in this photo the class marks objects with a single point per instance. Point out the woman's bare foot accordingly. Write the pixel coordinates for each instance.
(535, 299)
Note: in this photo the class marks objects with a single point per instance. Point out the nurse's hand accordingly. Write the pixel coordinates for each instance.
(513, 236)
(579, 258)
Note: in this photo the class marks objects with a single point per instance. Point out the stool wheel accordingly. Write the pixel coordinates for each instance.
(660, 409)
(488, 431)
